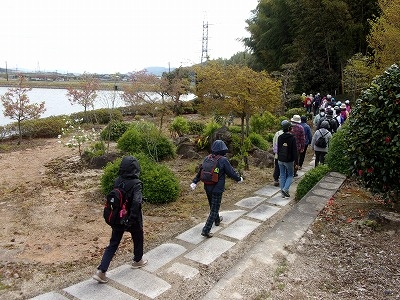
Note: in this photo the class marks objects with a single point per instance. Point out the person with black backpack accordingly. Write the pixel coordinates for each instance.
(214, 187)
(129, 184)
(320, 142)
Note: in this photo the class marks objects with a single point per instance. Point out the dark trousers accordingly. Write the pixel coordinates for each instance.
(319, 157)
(116, 236)
(302, 156)
(276, 170)
(214, 201)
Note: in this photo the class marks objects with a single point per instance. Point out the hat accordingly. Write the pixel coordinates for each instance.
(329, 112)
(296, 119)
(286, 124)
(343, 106)
(347, 101)
(322, 109)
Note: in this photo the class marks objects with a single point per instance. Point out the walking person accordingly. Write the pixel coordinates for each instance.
(298, 132)
(128, 179)
(275, 150)
(287, 155)
(214, 191)
(321, 149)
(308, 135)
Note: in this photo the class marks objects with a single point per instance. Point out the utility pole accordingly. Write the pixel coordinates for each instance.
(204, 44)
(6, 71)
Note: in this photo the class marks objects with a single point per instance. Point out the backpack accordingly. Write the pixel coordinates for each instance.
(116, 207)
(209, 171)
(321, 142)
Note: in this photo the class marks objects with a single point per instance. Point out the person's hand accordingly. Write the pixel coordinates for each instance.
(193, 185)
(241, 179)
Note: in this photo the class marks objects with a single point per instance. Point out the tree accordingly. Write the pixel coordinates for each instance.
(237, 90)
(17, 105)
(385, 35)
(85, 94)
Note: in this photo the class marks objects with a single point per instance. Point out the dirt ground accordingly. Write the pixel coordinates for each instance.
(52, 225)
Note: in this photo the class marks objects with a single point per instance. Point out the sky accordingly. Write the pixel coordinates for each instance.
(102, 36)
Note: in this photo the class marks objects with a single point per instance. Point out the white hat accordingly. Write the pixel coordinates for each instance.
(296, 119)
(347, 101)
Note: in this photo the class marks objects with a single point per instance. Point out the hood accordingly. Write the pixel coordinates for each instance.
(129, 167)
(219, 147)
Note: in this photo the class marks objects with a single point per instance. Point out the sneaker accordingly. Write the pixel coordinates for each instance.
(218, 221)
(207, 234)
(286, 193)
(283, 195)
(139, 264)
(276, 183)
(100, 277)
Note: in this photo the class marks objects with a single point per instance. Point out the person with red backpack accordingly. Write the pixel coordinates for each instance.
(214, 190)
(129, 172)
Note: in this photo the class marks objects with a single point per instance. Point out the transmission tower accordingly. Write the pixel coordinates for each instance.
(204, 44)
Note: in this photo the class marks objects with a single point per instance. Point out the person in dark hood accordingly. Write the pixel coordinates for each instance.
(128, 179)
(214, 191)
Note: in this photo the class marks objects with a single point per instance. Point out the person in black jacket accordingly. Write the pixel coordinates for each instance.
(214, 191)
(287, 155)
(128, 179)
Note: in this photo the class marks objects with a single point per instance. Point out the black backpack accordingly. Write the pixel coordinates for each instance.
(116, 210)
(209, 171)
(321, 142)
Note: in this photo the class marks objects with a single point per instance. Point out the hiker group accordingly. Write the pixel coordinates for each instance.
(291, 142)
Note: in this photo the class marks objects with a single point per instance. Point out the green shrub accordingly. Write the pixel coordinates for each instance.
(96, 149)
(179, 126)
(262, 123)
(144, 137)
(98, 116)
(235, 129)
(160, 185)
(258, 141)
(337, 158)
(43, 128)
(310, 179)
(114, 130)
(269, 137)
(295, 111)
(196, 127)
(374, 139)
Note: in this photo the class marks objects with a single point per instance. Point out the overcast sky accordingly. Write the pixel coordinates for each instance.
(100, 36)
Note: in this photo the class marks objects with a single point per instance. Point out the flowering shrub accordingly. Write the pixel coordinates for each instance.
(374, 135)
(78, 138)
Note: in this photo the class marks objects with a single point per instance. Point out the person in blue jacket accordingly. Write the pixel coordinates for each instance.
(214, 191)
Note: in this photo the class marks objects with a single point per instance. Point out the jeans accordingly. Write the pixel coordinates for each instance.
(286, 174)
(214, 201)
(116, 236)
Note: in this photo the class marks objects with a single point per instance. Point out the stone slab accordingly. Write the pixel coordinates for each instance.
(278, 200)
(250, 202)
(231, 215)
(240, 229)
(162, 255)
(138, 280)
(263, 212)
(267, 191)
(91, 289)
(185, 271)
(50, 296)
(193, 235)
(210, 250)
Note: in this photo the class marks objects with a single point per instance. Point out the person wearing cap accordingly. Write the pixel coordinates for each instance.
(348, 106)
(343, 112)
(300, 136)
(319, 116)
(308, 135)
(333, 123)
(214, 191)
(287, 155)
(319, 151)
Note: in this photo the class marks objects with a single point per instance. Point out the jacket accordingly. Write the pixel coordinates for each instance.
(128, 179)
(287, 149)
(307, 132)
(225, 169)
(325, 132)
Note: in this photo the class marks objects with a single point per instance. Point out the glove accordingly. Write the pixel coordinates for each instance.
(193, 185)
(241, 179)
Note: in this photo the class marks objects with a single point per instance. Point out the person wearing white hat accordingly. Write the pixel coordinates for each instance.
(299, 134)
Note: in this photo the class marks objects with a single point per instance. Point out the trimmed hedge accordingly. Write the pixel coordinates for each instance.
(310, 179)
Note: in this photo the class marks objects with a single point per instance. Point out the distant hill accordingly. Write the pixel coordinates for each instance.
(158, 71)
